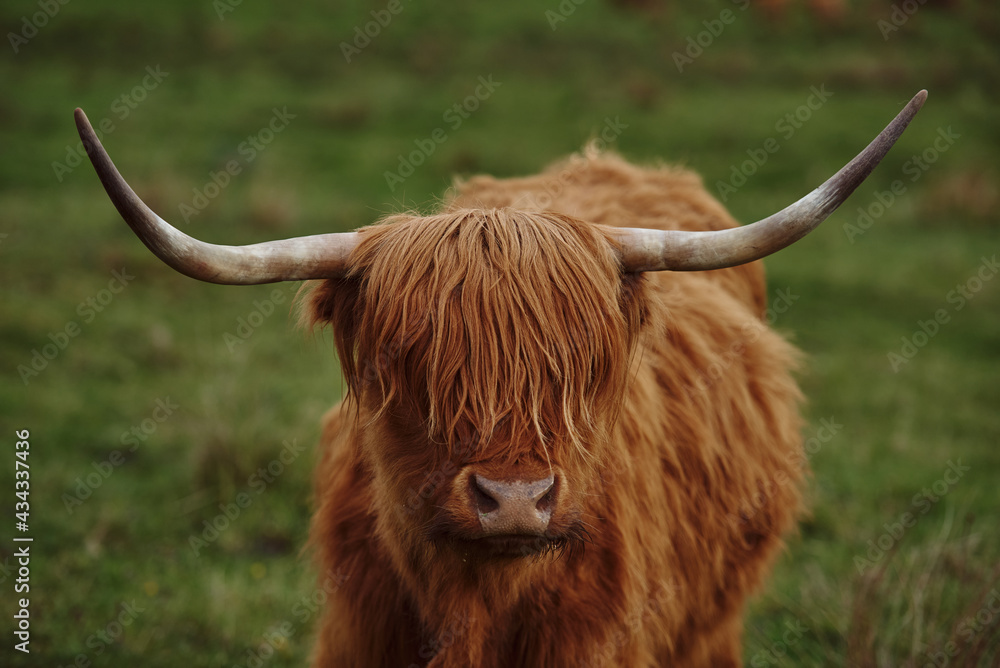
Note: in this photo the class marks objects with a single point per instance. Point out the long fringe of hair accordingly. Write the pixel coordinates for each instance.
(464, 317)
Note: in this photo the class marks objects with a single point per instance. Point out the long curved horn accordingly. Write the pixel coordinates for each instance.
(680, 250)
(301, 258)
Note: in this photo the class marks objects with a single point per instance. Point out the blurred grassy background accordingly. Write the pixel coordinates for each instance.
(115, 580)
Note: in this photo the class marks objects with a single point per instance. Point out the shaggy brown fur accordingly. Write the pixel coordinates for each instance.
(501, 337)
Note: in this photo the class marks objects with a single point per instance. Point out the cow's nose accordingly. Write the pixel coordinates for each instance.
(510, 507)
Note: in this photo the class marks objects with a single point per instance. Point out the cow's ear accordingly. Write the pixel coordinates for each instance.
(336, 302)
(328, 301)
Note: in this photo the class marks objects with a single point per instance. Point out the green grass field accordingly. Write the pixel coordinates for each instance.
(154, 401)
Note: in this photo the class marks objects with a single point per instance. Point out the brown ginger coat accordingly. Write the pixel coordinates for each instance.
(502, 336)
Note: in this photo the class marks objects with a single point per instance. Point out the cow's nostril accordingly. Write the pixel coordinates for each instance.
(545, 503)
(513, 506)
(484, 503)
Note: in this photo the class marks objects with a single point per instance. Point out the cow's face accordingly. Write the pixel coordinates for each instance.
(487, 353)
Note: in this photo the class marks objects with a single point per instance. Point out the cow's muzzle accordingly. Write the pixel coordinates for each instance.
(512, 507)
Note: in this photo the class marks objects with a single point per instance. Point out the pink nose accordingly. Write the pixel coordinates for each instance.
(513, 507)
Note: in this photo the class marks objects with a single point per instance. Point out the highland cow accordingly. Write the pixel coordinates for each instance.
(569, 437)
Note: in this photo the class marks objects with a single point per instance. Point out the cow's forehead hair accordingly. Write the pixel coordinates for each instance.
(488, 321)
